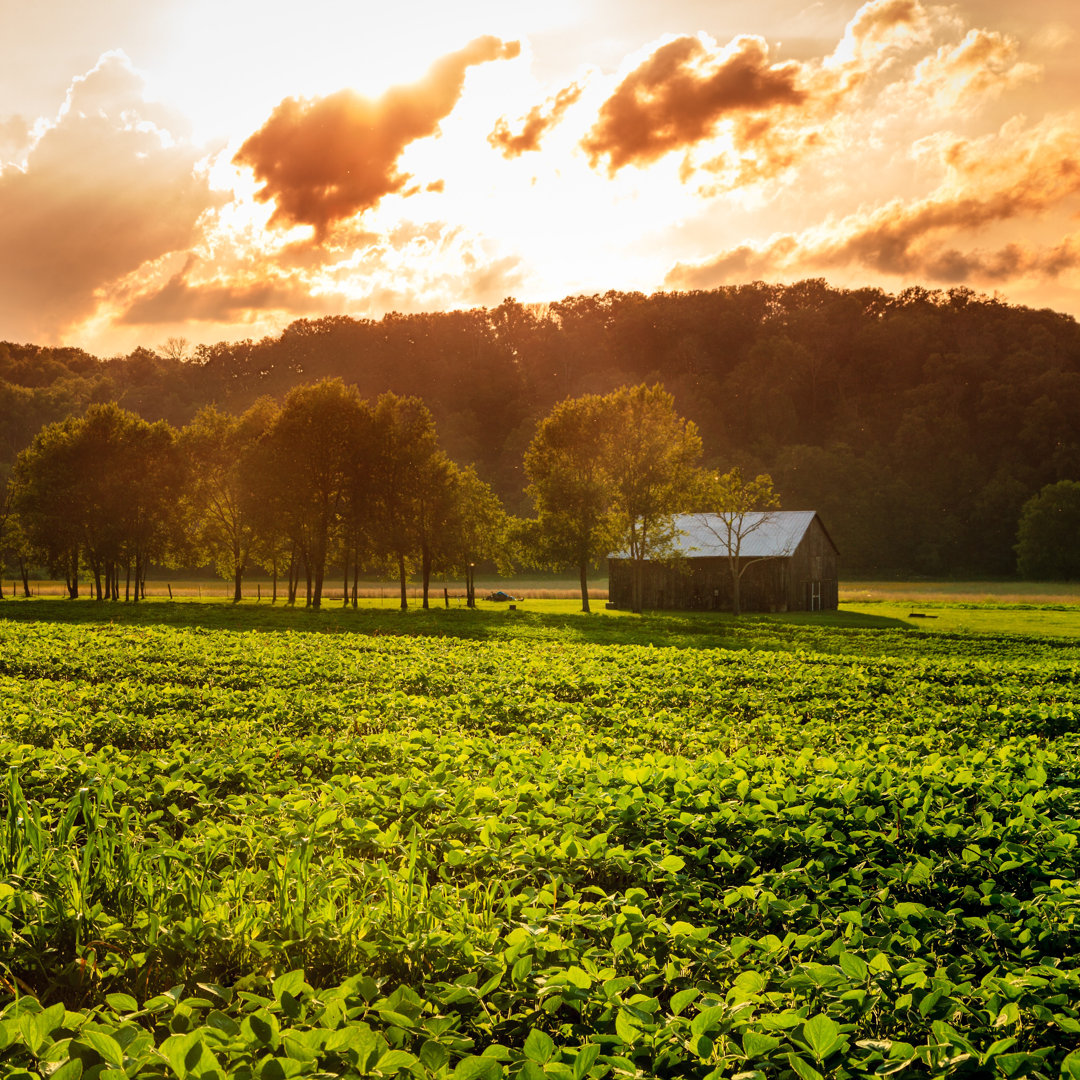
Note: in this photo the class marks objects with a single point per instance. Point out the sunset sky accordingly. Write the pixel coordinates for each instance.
(207, 170)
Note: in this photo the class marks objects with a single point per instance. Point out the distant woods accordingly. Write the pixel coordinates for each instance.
(918, 424)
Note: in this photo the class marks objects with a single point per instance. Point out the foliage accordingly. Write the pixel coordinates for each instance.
(738, 509)
(652, 458)
(916, 423)
(1048, 543)
(103, 486)
(406, 479)
(223, 523)
(571, 486)
(231, 853)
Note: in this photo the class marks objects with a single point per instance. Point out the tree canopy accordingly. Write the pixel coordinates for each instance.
(918, 423)
(1048, 541)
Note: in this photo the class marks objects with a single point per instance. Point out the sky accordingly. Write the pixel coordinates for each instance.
(213, 171)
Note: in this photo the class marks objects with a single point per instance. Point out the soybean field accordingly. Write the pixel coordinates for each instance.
(477, 845)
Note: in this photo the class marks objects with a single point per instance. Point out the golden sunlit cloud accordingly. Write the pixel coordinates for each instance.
(182, 301)
(323, 161)
(881, 26)
(108, 186)
(680, 94)
(1012, 176)
(985, 64)
(539, 120)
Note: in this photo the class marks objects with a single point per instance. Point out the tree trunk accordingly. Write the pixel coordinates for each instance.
(402, 580)
(73, 583)
(425, 563)
(584, 568)
(736, 600)
(24, 573)
(294, 576)
(238, 580)
(345, 582)
(273, 570)
(356, 577)
(138, 574)
(127, 579)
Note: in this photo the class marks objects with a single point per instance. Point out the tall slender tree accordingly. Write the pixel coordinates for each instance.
(405, 460)
(739, 508)
(220, 503)
(305, 462)
(652, 455)
(472, 528)
(572, 489)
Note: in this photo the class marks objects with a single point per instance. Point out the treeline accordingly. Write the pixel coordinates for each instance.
(918, 424)
(326, 478)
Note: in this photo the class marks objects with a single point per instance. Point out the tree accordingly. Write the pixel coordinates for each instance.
(739, 508)
(472, 529)
(403, 468)
(308, 456)
(219, 499)
(651, 455)
(1048, 540)
(153, 476)
(50, 498)
(437, 512)
(571, 488)
(105, 487)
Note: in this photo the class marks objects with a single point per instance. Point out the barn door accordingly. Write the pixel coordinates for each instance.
(813, 596)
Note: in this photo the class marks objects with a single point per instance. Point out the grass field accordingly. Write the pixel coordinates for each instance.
(245, 841)
(561, 587)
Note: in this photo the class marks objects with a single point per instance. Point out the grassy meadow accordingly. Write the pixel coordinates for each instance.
(254, 841)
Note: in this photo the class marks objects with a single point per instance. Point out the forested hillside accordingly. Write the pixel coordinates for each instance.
(917, 424)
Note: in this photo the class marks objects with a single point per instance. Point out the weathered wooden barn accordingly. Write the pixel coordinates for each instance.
(787, 558)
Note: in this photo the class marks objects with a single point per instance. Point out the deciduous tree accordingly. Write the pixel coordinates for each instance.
(739, 508)
(307, 460)
(406, 449)
(220, 503)
(1048, 541)
(572, 489)
(651, 454)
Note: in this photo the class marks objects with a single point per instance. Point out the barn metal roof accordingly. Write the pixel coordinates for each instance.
(765, 534)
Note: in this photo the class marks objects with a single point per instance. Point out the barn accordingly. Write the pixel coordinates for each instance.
(787, 560)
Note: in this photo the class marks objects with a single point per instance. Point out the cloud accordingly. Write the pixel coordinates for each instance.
(1014, 176)
(540, 119)
(180, 300)
(110, 185)
(679, 95)
(322, 161)
(984, 64)
(14, 138)
(882, 25)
